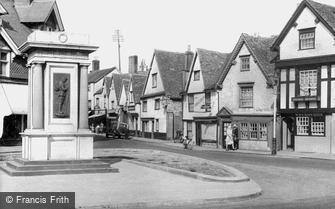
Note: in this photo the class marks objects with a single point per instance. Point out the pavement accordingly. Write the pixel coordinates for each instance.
(135, 186)
(281, 154)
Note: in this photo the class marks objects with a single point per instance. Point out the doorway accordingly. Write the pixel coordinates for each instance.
(224, 133)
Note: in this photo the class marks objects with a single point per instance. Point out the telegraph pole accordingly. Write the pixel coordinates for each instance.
(117, 37)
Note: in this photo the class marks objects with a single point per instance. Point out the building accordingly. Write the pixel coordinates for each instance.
(95, 86)
(306, 65)
(19, 18)
(246, 95)
(161, 102)
(200, 100)
(133, 103)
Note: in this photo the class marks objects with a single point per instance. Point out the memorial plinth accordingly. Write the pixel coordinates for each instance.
(57, 126)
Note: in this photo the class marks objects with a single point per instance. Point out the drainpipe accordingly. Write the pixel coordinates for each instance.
(274, 142)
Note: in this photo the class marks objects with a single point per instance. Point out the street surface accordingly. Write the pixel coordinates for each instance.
(286, 182)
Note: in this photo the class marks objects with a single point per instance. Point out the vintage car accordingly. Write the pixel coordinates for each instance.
(116, 129)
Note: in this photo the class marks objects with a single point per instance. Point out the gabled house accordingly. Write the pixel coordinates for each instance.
(306, 67)
(115, 91)
(246, 95)
(200, 101)
(161, 102)
(95, 87)
(133, 106)
(19, 18)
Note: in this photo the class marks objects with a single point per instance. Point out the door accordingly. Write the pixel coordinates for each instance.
(198, 133)
(169, 126)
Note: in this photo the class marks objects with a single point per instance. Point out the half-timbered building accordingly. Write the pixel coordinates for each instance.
(306, 67)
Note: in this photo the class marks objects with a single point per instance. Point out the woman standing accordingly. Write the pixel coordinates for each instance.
(229, 139)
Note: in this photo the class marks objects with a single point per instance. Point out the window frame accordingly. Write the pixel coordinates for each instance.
(208, 101)
(299, 74)
(306, 31)
(196, 78)
(189, 104)
(157, 104)
(242, 65)
(309, 126)
(157, 125)
(154, 80)
(145, 106)
(258, 130)
(5, 62)
(240, 96)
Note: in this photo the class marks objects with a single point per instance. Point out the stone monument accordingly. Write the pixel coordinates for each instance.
(57, 135)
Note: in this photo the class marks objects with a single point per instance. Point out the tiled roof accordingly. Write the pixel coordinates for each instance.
(37, 11)
(325, 13)
(99, 91)
(138, 82)
(259, 48)
(95, 76)
(211, 64)
(18, 68)
(117, 81)
(170, 65)
(11, 23)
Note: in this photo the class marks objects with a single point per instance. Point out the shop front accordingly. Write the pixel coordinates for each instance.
(206, 131)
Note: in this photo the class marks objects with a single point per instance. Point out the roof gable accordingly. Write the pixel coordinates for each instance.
(259, 48)
(324, 13)
(117, 82)
(170, 66)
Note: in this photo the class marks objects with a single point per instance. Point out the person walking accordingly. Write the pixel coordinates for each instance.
(235, 136)
(229, 139)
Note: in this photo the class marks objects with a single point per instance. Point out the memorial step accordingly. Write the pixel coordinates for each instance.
(18, 168)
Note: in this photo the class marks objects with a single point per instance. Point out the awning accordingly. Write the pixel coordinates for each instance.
(13, 100)
(97, 115)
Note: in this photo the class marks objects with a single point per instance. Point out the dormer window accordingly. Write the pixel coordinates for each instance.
(307, 38)
(3, 63)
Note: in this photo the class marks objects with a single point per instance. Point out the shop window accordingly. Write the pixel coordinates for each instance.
(191, 103)
(196, 75)
(253, 131)
(245, 63)
(263, 131)
(244, 131)
(308, 82)
(307, 38)
(246, 96)
(145, 106)
(310, 125)
(157, 104)
(189, 130)
(154, 80)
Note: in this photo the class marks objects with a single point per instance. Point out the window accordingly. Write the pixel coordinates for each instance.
(157, 125)
(97, 106)
(244, 131)
(145, 126)
(307, 38)
(154, 80)
(196, 75)
(157, 104)
(189, 130)
(191, 103)
(245, 63)
(263, 131)
(208, 101)
(310, 125)
(145, 106)
(308, 82)
(246, 96)
(253, 131)
(3, 62)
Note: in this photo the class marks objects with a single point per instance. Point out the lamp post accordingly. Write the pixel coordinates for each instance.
(274, 141)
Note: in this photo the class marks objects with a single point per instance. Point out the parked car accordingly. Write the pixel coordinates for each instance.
(116, 129)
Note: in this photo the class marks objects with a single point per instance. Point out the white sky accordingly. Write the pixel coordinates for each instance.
(172, 24)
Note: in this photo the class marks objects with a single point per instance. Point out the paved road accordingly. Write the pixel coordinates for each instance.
(286, 182)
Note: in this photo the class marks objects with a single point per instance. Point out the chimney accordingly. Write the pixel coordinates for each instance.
(95, 64)
(133, 64)
(188, 62)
